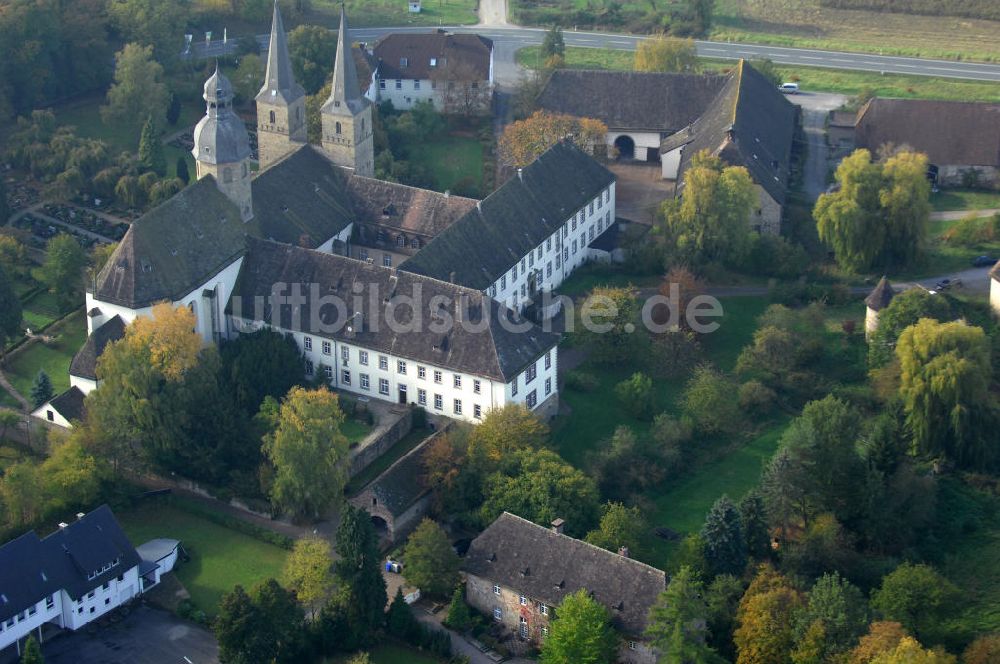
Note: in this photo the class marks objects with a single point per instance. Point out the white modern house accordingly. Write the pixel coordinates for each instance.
(69, 578)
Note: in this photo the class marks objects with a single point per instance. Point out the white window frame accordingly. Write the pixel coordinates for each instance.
(383, 386)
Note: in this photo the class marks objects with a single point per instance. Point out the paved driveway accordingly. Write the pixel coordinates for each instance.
(146, 636)
(815, 107)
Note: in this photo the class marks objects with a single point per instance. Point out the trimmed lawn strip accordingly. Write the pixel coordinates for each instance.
(736, 328)
(22, 366)
(396, 452)
(355, 430)
(588, 277)
(964, 199)
(943, 258)
(451, 159)
(844, 81)
(221, 558)
(361, 13)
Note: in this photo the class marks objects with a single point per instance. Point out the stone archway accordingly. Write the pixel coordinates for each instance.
(625, 146)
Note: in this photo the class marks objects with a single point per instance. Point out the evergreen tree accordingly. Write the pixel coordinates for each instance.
(173, 109)
(553, 44)
(677, 622)
(725, 548)
(359, 572)
(41, 389)
(753, 518)
(10, 311)
(4, 206)
(182, 170)
(399, 620)
(840, 607)
(32, 652)
(151, 149)
(459, 617)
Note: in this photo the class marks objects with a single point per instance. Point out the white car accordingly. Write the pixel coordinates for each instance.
(789, 88)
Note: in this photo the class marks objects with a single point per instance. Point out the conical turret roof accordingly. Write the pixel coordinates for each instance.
(279, 82)
(345, 94)
(880, 298)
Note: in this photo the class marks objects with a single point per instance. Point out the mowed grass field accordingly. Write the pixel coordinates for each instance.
(221, 558)
(54, 358)
(451, 159)
(815, 79)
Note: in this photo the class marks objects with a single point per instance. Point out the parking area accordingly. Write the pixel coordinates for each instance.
(144, 636)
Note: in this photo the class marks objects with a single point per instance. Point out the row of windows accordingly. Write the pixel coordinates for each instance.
(401, 365)
(398, 84)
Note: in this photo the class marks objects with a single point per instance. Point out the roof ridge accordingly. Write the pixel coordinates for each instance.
(409, 186)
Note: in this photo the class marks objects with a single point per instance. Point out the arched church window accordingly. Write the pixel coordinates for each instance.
(272, 117)
(337, 127)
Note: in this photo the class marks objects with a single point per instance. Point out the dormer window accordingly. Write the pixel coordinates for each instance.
(434, 62)
(403, 62)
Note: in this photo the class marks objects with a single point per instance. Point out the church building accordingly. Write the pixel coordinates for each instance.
(297, 247)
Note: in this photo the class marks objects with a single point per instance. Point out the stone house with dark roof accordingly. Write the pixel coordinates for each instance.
(518, 572)
(639, 108)
(69, 578)
(750, 124)
(452, 71)
(880, 298)
(961, 139)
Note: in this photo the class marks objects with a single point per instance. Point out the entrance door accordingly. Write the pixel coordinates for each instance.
(402, 394)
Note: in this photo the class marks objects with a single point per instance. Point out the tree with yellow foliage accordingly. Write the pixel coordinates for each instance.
(660, 53)
(525, 140)
(909, 651)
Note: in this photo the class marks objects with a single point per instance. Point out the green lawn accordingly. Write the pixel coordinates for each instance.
(451, 159)
(588, 277)
(809, 78)
(736, 328)
(943, 257)
(963, 199)
(40, 309)
(23, 365)
(404, 445)
(220, 558)
(355, 430)
(86, 117)
(362, 13)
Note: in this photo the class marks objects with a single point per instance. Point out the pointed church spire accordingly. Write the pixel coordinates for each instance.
(345, 88)
(279, 79)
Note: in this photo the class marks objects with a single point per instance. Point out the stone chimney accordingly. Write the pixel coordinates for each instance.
(623, 551)
(558, 525)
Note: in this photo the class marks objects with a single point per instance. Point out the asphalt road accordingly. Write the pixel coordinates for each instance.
(512, 37)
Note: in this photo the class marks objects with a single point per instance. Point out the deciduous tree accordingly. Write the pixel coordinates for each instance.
(429, 561)
(10, 311)
(666, 54)
(608, 318)
(620, 527)
(916, 596)
(158, 24)
(62, 271)
(70, 477)
(840, 608)
(678, 622)
(708, 400)
(525, 140)
(881, 637)
(309, 572)
(504, 431)
(580, 633)
(32, 653)
(260, 364)
(312, 49)
(909, 651)
(138, 92)
(766, 632)
(308, 452)
(359, 572)
(249, 77)
(904, 310)
(636, 395)
(984, 650)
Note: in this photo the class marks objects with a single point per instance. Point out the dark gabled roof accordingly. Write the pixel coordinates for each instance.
(608, 240)
(471, 53)
(749, 123)
(513, 220)
(69, 404)
(949, 132)
(546, 566)
(881, 296)
(492, 351)
(648, 101)
(84, 364)
(170, 250)
(32, 568)
(402, 483)
(407, 208)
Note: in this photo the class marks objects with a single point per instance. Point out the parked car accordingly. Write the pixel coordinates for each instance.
(983, 261)
(789, 88)
(945, 284)
(394, 566)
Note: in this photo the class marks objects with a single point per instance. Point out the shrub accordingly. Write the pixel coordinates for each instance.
(756, 398)
(636, 395)
(581, 381)
(971, 231)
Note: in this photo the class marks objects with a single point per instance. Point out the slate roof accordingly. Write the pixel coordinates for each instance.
(345, 93)
(513, 220)
(170, 250)
(881, 296)
(406, 208)
(546, 566)
(492, 352)
(32, 568)
(278, 79)
(472, 52)
(949, 132)
(84, 364)
(648, 101)
(749, 123)
(69, 404)
(220, 137)
(402, 483)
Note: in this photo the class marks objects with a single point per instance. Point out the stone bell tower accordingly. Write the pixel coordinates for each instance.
(281, 102)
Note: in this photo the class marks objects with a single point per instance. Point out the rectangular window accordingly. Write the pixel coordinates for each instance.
(477, 411)
(531, 260)
(565, 231)
(421, 372)
(548, 269)
(497, 613)
(513, 273)
(438, 402)
(345, 377)
(558, 260)
(307, 343)
(458, 381)
(548, 386)
(363, 357)
(365, 382)
(477, 387)
(607, 218)
(531, 373)
(401, 367)
(566, 252)
(607, 194)
(590, 234)
(591, 207)
(522, 600)
(363, 254)
(381, 84)
(383, 386)
(496, 589)
(548, 360)
(545, 631)
(539, 252)
(574, 247)
(437, 377)
(309, 367)
(524, 290)
(328, 372)
(416, 84)
(50, 601)
(399, 84)
(513, 387)
(383, 362)
(493, 290)
(327, 348)
(422, 397)
(522, 265)
(543, 609)
(386, 260)
(34, 609)
(503, 281)
(632, 645)
(345, 354)
(531, 400)
(458, 406)
(573, 224)
(548, 244)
